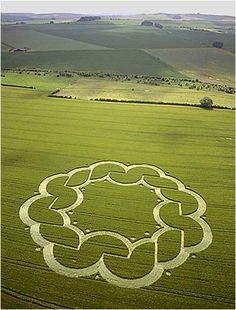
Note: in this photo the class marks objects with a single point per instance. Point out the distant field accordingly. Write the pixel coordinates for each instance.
(208, 64)
(124, 46)
(204, 39)
(87, 88)
(43, 136)
(140, 37)
(114, 61)
(112, 36)
(38, 41)
(97, 88)
(45, 83)
(211, 25)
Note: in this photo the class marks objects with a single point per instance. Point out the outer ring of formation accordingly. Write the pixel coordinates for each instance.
(100, 267)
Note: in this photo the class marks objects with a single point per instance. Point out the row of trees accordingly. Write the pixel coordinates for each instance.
(151, 80)
(65, 74)
(205, 102)
(151, 24)
(191, 83)
(195, 29)
(217, 44)
(88, 18)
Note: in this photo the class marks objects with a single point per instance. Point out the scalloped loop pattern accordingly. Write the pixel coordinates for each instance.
(120, 174)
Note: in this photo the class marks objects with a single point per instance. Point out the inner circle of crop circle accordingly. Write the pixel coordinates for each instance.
(99, 267)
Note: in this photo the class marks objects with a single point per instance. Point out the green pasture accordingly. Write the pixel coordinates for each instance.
(123, 61)
(124, 46)
(90, 88)
(210, 25)
(20, 37)
(99, 88)
(136, 36)
(42, 136)
(209, 64)
(204, 39)
(47, 83)
(111, 35)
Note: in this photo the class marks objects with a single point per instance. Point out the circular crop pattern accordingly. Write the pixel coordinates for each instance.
(119, 174)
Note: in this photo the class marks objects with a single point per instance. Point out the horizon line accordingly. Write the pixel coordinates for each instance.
(116, 13)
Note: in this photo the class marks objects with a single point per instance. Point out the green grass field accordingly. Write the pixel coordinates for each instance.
(46, 83)
(208, 64)
(52, 137)
(38, 41)
(43, 136)
(136, 36)
(123, 46)
(113, 61)
(97, 88)
(87, 88)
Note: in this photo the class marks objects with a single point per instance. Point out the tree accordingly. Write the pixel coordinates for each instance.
(51, 22)
(217, 44)
(88, 18)
(147, 23)
(158, 25)
(206, 102)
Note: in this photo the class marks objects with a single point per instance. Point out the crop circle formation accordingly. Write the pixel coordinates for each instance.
(131, 244)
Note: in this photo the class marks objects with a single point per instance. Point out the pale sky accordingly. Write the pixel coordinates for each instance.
(119, 6)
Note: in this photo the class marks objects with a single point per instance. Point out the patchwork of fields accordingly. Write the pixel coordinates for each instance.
(129, 49)
(117, 205)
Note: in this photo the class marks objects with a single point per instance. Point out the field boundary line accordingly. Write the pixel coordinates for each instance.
(194, 105)
(16, 85)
